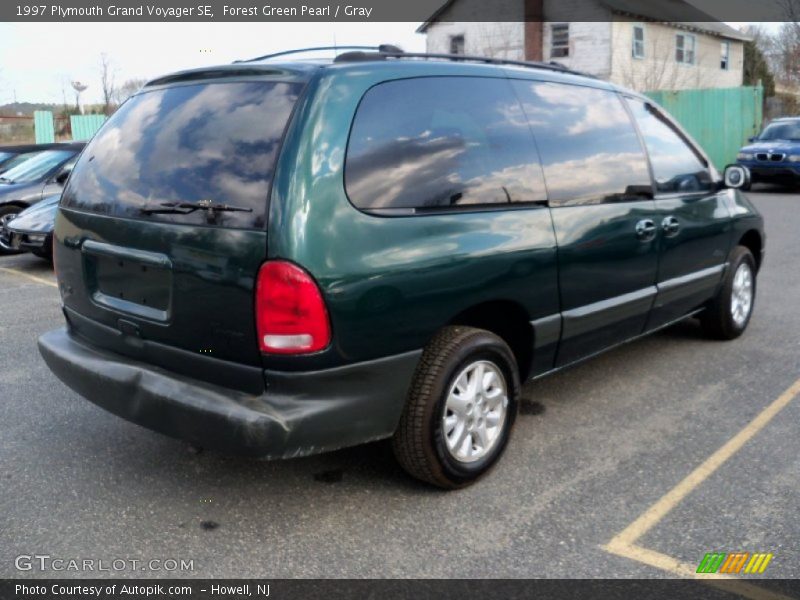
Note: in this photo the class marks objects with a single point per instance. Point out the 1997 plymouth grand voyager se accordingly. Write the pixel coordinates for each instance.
(280, 258)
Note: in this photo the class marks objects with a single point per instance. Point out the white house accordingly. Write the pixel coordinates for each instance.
(620, 43)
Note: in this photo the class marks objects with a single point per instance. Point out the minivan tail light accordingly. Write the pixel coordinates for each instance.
(291, 317)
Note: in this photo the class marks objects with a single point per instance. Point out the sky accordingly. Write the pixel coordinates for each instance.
(37, 60)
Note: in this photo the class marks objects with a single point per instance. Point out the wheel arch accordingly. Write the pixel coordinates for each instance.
(752, 240)
(507, 319)
(18, 203)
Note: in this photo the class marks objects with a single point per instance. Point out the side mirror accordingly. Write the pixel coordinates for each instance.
(736, 177)
(752, 138)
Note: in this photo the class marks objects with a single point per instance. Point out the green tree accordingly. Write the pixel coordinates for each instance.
(756, 69)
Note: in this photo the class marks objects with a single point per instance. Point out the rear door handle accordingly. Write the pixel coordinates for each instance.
(646, 230)
(671, 226)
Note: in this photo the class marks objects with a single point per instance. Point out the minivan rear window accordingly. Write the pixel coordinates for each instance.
(195, 144)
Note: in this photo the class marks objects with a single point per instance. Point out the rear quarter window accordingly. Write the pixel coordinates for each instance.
(214, 142)
(440, 143)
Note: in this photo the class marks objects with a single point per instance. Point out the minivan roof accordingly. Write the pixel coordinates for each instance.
(388, 58)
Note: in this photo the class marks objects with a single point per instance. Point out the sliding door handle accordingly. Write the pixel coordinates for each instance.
(646, 230)
(671, 226)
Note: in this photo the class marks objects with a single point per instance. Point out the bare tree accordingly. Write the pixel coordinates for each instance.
(107, 82)
(127, 89)
(784, 54)
(501, 40)
(657, 69)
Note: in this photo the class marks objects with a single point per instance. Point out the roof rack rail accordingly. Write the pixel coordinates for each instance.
(384, 51)
(383, 48)
(552, 66)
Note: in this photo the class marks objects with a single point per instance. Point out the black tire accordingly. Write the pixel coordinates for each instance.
(419, 442)
(718, 320)
(5, 211)
(46, 251)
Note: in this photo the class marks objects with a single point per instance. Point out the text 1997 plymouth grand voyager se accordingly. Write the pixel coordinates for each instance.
(280, 258)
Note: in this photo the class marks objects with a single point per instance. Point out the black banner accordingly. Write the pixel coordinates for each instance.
(336, 589)
(392, 10)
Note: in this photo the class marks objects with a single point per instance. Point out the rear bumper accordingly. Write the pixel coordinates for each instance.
(299, 414)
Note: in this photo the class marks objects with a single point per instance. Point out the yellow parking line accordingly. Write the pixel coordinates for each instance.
(624, 543)
(667, 502)
(29, 276)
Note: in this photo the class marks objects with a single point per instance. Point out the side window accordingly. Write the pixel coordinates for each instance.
(559, 40)
(725, 56)
(457, 44)
(590, 150)
(638, 41)
(685, 48)
(441, 142)
(676, 165)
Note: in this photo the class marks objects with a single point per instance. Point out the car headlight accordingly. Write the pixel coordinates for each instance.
(793, 158)
(744, 156)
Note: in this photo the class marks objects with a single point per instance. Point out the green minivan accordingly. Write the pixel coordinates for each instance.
(284, 257)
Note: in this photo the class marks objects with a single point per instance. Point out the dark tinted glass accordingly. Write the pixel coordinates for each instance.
(441, 142)
(676, 166)
(782, 130)
(590, 150)
(215, 142)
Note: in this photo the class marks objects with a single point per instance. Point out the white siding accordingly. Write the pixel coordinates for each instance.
(659, 70)
(601, 48)
(589, 48)
(502, 39)
(498, 40)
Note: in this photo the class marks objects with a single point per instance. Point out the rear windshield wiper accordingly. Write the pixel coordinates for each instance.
(187, 208)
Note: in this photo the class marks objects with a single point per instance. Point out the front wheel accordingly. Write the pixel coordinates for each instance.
(46, 251)
(7, 213)
(460, 410)
(728, 315)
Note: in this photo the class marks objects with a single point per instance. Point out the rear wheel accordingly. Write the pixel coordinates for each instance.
(461, 408)
(7, 213)
(728, 315)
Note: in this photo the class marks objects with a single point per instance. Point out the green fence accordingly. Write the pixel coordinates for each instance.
(720, 119)
(85, 126)
(43, 127)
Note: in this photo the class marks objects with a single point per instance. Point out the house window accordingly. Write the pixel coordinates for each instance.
(559, 40)
(725, 56)
(685, 45)
(638, 41)
(456, 44)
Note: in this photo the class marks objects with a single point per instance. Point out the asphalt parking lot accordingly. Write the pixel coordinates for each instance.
(596, 447)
